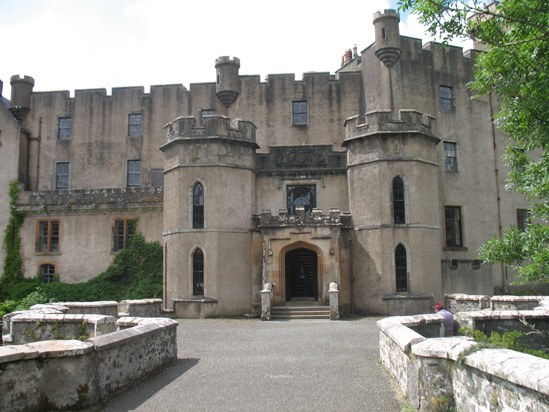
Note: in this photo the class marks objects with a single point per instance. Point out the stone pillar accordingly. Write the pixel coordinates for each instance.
(333, 294)
(266, 301)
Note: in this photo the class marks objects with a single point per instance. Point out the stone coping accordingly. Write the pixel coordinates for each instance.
(195, 300)
(503, 314)
(44, 349)
(31, 316)
(519, 368)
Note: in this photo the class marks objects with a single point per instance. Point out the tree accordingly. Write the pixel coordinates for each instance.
(515, 67)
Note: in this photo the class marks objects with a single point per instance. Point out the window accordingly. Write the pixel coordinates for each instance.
(401, 268)
(446, 98)
(207, 112)
(157, 178)
(134, 173)
(124, 229)
(62, 175)
(48, 236)
(198, 206)
(399, 212)
(47, 271)
(453, 226)
(523, 219)
(302, 195)
(198, 273)
(450, 157)
(64, 128)
(299, 113)
(135, 125)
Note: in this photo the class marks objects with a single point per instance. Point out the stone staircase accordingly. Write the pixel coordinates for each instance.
(300, 312)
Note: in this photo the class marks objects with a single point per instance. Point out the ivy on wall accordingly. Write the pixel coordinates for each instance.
(12, 243)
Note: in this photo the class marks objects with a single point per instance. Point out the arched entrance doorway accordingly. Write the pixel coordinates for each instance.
(301, 274)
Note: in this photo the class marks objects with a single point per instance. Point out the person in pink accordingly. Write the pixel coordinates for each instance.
(448, 319)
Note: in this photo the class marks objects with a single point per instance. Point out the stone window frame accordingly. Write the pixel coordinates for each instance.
(132, 173)
(523, 218)
(300, 117)
(123, 228)
(401, 275)
(48, 237)
(135, 124)
(61, 176)
(448, 167)
(198, 269)
(301, 182)
(49, 276)
(453, 228)
(64, 130)
(447, 99)
(403, 200)
(197, 210)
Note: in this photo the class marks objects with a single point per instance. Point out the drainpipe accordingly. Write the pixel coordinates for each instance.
(496, 173)
(351, 276)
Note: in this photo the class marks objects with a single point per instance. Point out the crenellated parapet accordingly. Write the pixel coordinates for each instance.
(212, 127)
(316, 218)
(382, 122)
(82, 201)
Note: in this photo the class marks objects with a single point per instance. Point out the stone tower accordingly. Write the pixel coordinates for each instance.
(209, 199)
(227, 87)
(21, 90)
(394, 200)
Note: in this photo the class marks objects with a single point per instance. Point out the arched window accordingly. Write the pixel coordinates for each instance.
(401, 268)
(198, 206)
(47, 271)
(399, 212)
(198, 273)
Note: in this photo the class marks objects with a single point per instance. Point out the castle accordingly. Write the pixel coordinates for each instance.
(384, 178)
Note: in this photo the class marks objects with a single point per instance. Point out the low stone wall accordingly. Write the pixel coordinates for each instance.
(467, 303)
(146, 308)
(433, 378)
(70, 374)
(194, 308)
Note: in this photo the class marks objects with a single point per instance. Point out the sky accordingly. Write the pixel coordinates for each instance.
(85, 44)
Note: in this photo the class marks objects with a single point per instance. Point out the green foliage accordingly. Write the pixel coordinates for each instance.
(509, 340)
(515, 67)
(12, 244)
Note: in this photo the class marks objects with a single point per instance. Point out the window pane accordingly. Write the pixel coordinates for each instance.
(299, 113)
(134, 173)
(54, 236)
(302, 195)
(65, 125)
(198, 273)
(135, 123)
(47, 271)
(446, 98)
(198, 206)
(523, 219)
(401, 269)
(43, 237)
(157, 178)
(62, 176)
(118, 235)
(450, 157)
(453, 226)
(398, 201)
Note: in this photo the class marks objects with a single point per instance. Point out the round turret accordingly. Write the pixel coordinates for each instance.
(21, 90)
(227, 86)
(387, 44)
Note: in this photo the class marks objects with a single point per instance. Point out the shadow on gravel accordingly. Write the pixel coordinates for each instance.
(130, 397)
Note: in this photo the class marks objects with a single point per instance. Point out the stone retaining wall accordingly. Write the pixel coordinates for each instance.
(70, 374)
(428, 371)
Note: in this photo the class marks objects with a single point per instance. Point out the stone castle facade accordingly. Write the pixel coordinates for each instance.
(384, 178)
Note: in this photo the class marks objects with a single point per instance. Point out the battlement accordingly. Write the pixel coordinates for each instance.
(387, 13)
(382, 122)
(316, 218)
(25, 79)
(77, 201)
(211, 126)
(227, 59)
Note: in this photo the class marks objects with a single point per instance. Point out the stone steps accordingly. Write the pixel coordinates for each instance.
(300, 312)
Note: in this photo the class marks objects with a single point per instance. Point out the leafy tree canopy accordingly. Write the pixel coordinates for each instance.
(515, 67)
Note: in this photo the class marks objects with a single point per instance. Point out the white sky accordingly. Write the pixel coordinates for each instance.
(82, 44)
